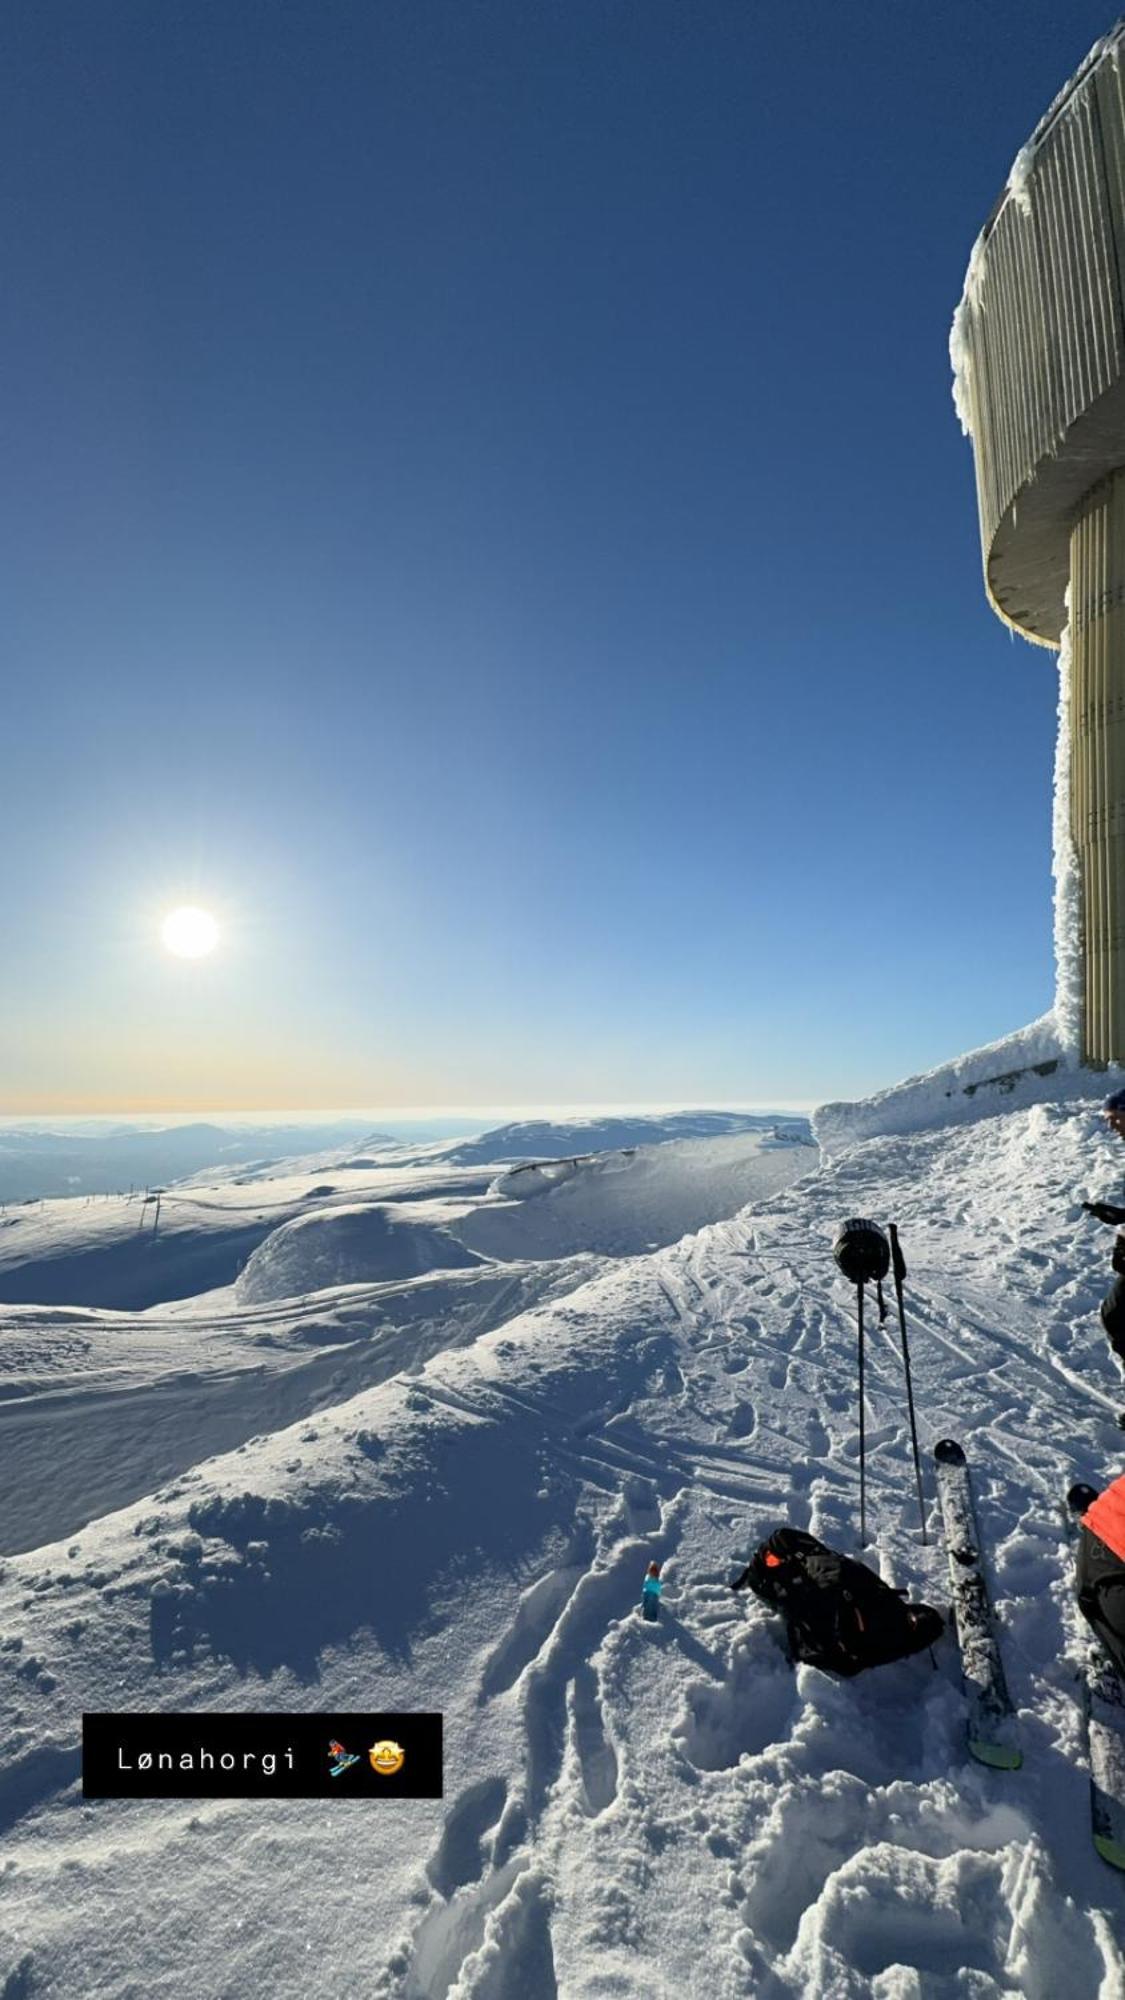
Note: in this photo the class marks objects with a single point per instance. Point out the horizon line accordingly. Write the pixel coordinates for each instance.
(601, 1107)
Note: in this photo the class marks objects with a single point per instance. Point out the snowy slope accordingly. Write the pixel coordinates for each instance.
(112, 1251)
(622, 1203)
(117, 1252)
(336, 1295)
(116, 1404)
(629, 1810)
(555, 1139)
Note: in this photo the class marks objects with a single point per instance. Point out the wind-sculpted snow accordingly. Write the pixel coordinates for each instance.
(555, 1139)
(125, 1252)
(118, 1406)
(1036, 1065)
(369, 1242)
(639, 1810)
(622, 1203)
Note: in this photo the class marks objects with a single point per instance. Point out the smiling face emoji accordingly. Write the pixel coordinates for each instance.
(387, 1757)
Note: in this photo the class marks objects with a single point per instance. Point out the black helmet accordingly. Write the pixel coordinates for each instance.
(862, 1252)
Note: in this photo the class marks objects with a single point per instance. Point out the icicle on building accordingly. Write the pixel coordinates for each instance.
(1038, 349)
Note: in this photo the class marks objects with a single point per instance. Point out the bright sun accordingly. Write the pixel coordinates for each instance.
(189, 932)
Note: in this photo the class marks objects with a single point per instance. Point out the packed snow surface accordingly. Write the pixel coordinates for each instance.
(630, 1810)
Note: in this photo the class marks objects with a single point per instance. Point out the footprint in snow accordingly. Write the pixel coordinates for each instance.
(642, 1509)
(817, 1437)
(751, 1708)
(597, 1758)
(458, 1858)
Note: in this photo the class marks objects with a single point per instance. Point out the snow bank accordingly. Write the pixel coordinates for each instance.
(361, 1243)
(1030, 1067)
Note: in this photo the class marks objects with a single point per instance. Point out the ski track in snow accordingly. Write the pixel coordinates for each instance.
(631, 1809)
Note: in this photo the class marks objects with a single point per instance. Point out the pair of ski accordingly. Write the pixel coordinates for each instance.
(992, 1730)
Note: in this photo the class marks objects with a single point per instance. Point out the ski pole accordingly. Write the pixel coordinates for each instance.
(862, 1428)
(898, 1265)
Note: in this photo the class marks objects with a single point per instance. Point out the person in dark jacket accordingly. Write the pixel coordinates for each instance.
(1113, 1304)
(1100, 1570)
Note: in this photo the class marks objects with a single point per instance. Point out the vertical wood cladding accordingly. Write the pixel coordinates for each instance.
(1043, 317)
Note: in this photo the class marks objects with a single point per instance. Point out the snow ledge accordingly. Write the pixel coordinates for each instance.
(1035, 1065)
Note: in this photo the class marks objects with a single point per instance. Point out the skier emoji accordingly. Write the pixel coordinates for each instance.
(339, 1758)
(650, 1592)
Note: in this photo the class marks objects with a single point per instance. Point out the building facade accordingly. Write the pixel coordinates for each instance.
(1038, 348)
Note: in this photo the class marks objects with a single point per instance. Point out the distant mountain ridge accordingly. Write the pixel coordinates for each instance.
(550, 1139)
(35, 1164)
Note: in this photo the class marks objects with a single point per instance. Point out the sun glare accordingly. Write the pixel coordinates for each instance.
(190, 933)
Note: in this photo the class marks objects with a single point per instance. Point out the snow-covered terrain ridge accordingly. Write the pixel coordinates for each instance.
(620, 1204)
(542, 1139)
(339, 1293)
(1036, 1065)
(116, 1251)
(658, 1811)
(358, 1219)
(90, 1159)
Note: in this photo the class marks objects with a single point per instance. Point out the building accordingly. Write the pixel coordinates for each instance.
(1038, 347)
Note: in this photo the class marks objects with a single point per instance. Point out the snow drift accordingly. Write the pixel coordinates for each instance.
(623, 1203)
(361, 1243)
(1030, 1067)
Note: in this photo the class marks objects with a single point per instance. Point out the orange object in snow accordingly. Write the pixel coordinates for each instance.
(1106, 1517)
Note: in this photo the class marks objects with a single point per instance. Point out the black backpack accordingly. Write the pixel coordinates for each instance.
(839, 1615)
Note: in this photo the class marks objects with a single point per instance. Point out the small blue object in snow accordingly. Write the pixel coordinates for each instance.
(650, 1592)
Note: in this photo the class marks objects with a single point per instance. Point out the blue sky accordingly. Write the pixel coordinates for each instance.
(483, 513)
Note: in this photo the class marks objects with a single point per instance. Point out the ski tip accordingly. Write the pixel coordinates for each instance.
(947, 1451)
(999, 1756)
(1081, 1496)
(1112, 1851)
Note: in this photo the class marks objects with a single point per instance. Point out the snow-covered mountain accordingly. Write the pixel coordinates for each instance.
(89, 1159)
(337, 1217)
(554, 1139)
(453, 1484)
